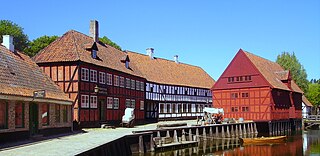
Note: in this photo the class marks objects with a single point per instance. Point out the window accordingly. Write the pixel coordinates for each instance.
(241, 78)
(93, 75)
(102, 78)
(234, 109)
(133, 103)
(128, 103)
(93, 102)
(137, 85)
(234, 95)
(133, 84)
(245, 109)
(116, 103)
(45, 114)
(184, 107)
(141, 105)
(238, 78)
(128, 83)
(84, 74)
(84, 101)
(197, 108)
(121, 81)
(142, 86)
(116, 80)
(109, 102)
(245, 95)
(161, 108)
(109, 79)
(127, 64)
(19, 115)
(3, 115)
(168, 108)
(179, 107)
(57, 112)
(247, 78)
(189, 108)
(174, 108)
(64, 113)
(230, 79)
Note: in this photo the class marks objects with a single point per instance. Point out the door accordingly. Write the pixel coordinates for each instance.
(33, 118)
(102, 104)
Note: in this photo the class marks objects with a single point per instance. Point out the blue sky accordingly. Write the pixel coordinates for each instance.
(204, 33)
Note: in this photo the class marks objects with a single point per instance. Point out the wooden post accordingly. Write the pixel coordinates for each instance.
(183, 137)
(168, 134)
(141, 148)
(251, 126)
(248, 132)
(158, 134)
(240, 131)
(222, 132)
(197, 135)
(232, 132)
(237, 131)
(210, 132)
(204, 134)
(217, 132)
(255, 128)
(228, 132)
(175, 137)
(151, 143)
(190, 134)
(244, 131)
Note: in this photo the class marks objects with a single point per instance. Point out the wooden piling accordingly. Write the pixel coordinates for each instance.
(228, 132)
(244, 131)
(255, 128)
(158, 134)
(240, 131)
(183, 136)
(151, 143)
(251, 126)
(217, 132)
(168, 134)
(222, 132)
(190, 135)
(197, 135)
(210, 132)
(237, 131)
(232, 132)
(175, 136)
(204, 135)
(141, 147)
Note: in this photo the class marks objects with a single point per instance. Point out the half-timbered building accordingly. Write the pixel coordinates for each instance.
(174, 90)
(255, 88)
(99, 79)
(30, 103)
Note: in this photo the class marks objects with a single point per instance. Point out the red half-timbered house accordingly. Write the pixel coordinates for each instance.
(30, 103)
(257, 89)
(174, 90)
(97, 77)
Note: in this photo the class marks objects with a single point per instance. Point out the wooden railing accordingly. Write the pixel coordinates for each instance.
(313, 117)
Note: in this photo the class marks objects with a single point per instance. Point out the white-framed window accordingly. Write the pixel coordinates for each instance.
(142, 86)
(109, 102)
(109, 79)
(115, 103)
(121, 81)
(133, 84)
(84, 101)
(128, 103)
(84, 74)
(116, 80)
(93, 102)
(128, 83)
(137, 85)
(141, 105)
(93, 75)
(133, 103)
(102, 77)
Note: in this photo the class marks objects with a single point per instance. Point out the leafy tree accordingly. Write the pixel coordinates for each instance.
(290, 62)
(20, 39)
(313, 94)
(36, 45)
(106, 40)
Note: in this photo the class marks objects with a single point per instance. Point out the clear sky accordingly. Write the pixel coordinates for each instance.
(205, 33)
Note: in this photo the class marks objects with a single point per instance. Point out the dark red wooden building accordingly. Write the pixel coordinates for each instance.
(97, 77)
(257, 89)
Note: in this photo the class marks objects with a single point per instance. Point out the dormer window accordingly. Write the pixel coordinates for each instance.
(93, 48)
(94, 54)
(127, 64)
(126, 60)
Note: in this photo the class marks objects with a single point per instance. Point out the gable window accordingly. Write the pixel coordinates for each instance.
(133, 84)
(84, 74)
(45, 114)
(84, 101)
(19, 115)
(116, 80)
(230, 79)
(109, 102)
(234, 95)
(93, 102)
(127, 64)
(128, 83)
(93, 75)
(109, 79)
(141, 105)
(116, 103)
(245, 95)
(102, 78)
(121, 81)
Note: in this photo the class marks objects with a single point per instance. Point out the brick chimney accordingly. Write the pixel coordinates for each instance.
(150, 52)
(94, 30)
(7, 41)
(175, 58)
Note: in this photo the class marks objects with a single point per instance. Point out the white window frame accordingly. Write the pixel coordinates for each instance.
(133, 103)
(116, 80)
(137, 85)
(128, 83)
(109, 102)
(142, 86)
(115, 103)
(84, 74)
(109, 79)
(93, 75)
(141, 105)
(102, 77)
(128, 103)
(133, 84)
(93, 102)
(121, 79)
(84, 101)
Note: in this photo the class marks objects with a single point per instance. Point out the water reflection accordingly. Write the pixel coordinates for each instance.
(309, 140)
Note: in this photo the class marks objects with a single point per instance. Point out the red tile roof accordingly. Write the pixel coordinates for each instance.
(20, 76)
(73, 46)
(272, 72)
(169, 72)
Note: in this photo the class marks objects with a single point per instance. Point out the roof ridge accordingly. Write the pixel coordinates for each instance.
(262, 58)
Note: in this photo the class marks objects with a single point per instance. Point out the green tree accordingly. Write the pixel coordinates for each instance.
(20, 39)
(313, 94)
(299, 75)
(36, 45)
(106, 40)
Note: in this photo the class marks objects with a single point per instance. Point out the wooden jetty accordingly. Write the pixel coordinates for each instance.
(312, 121)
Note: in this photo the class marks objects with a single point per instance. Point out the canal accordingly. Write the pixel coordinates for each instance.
(298, 144)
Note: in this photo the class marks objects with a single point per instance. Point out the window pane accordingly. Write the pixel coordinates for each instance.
(45, 114)
(141, 105)
(109, 102)
(116, 103)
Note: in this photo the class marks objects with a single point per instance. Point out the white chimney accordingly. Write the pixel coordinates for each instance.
(150, 52)
(94, 30)
(175, 58)
(7, 41)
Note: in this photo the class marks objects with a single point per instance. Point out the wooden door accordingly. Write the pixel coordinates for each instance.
(33, 118)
